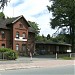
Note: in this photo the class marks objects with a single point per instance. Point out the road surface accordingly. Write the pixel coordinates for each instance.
(61, 70)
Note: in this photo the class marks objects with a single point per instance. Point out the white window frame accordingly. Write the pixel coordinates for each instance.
(17, 34)
(3, 45)
(17, 47)
(24, 35)
(3, 34)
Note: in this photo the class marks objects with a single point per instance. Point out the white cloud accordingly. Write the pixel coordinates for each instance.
(33, 10)
(44, 24)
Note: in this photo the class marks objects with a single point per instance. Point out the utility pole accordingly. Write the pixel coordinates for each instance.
(13, 9)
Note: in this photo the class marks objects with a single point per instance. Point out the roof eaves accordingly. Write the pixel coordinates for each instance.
(17, 19)
(52, 43)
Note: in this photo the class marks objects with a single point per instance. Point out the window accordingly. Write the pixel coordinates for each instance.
(21, 26)
(17, 34)
(17, 47)
(24, 35)
(3, 45)
(3, 34)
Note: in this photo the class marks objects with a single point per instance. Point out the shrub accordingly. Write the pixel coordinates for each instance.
(8, 53)
(11, 55)
(4, 50)
(66, 58)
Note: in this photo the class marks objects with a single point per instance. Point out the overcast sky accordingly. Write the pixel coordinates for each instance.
(32, 10)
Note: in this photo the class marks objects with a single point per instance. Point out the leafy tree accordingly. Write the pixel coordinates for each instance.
(64, 17)
(34, 25)
(48, 36)
(44, 38)
(39, 38)
(2, 15)
(3, 3)
(61, 38)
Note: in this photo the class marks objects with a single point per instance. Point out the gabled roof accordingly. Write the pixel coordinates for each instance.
(4, 22)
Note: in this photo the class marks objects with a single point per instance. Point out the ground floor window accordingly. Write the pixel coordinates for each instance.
(3, 45)
(17, 47)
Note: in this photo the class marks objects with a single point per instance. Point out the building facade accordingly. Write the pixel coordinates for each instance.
(15, 33)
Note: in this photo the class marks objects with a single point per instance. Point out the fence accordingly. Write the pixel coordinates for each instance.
(0, 55)
(3, 55)
(71, 55)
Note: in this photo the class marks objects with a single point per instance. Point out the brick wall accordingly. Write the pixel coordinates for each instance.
(6, 39)
(21, 27)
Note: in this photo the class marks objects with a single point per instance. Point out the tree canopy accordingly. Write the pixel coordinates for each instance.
(2, 15)
(63, 12)
(34, 25)
(3, 3)
(48, 36)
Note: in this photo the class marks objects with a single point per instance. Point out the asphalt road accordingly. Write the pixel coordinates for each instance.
(65, 70)
(27, 59)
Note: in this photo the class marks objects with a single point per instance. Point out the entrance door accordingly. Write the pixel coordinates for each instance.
(24, 47)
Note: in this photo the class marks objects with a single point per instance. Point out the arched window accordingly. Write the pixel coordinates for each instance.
(3, 34)
(17, 34)
(24, 35)
(17, 47)
(3, 45)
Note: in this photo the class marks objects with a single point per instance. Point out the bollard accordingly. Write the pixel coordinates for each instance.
(3, 56)
(70, 55)
(30, 56)
(56, 55)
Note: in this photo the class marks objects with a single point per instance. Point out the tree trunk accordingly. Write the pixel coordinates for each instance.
(72, 34)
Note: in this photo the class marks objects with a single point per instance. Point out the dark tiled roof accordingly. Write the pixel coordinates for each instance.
(4, 22)
(30, 29)
(53, 43)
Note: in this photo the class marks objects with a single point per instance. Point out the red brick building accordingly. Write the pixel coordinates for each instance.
(17, 34)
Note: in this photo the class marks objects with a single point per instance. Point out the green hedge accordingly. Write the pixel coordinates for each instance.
(5, 49)
(8, 53)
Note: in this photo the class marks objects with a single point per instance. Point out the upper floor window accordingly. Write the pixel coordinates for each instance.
(3, 34)
(3, 45)
(24, 35)
(17, 34)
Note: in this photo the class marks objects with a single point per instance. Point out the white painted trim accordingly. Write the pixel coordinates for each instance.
(17, 19)
(20, 39)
